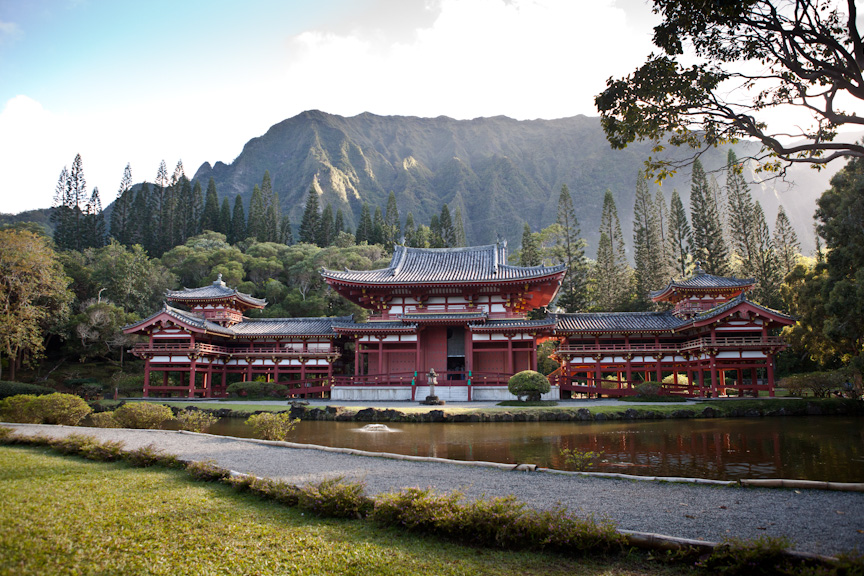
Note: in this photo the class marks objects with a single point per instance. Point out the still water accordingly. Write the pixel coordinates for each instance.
(806, 448)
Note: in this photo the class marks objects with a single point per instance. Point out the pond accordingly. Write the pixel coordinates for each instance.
(805, 448)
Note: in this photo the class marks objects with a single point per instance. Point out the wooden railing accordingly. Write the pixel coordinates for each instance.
(671, 348)
(203, 348)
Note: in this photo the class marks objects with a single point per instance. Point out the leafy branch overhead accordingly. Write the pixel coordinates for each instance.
(757, 60)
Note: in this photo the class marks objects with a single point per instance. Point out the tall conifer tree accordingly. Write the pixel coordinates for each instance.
(459, 226)
(210, 215)
(309, 223)
(530, 253)
(574, 288)
(742, 221)
(785, 242)
(448, 231)
(410, 230)
(708, 245)
(392, 229)
(611, 282)
(647, 241)
(255, 225)
(364, 227)
(325, 235)
(679, 239)
(121, 215)
(225, 217)
(378, 227)
(238, 222)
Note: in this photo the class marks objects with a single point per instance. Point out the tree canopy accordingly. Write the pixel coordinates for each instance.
(755, 59)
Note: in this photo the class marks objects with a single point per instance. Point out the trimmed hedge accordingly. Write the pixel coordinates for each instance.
(15, 388)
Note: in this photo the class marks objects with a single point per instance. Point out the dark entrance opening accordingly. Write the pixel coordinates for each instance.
(455, 352)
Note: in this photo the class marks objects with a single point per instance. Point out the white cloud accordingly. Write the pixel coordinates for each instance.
(9, 31)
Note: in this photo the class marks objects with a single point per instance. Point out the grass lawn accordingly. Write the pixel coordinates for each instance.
(66, 515)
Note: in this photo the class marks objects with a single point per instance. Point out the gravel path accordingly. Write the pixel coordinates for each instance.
(821, 522)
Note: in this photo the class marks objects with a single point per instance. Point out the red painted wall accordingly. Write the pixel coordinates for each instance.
(433, 340)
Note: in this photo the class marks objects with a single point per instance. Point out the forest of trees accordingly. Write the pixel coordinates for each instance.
(170, 233)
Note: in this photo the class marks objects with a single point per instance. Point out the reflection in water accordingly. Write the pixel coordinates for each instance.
(811, 448)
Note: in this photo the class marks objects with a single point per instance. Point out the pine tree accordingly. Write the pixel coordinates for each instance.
(767, 265)
(163, 207)
(741, 214)
(378, 227)
(325, 236)
(662, 211)
(435, 239)
(188, 211)
(459, 226)
(785, 242)
(238, 222)
(255, 226)
(679, 239)
(272, 210)
(339, 223)
(708, 244)
(448, 231)
(410, 230)
(647, 242)
(143, 222)
(210, 214)
(574, 287)
(121, 215)
(285, 234)
(225, 217)
(93, 223)
(70, 201)
(392, 230)
(530, 253)
(364, 227)
(611, 282)
(195, 211)
(309, 223)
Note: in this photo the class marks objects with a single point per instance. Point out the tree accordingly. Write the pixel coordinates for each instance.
(448, 231)
(93, 223)
(801, 57)
(325, 234)
(785, 242)
(193, 208)
(392, 231)
(70, 199)
(574, 287)
(611, 276)
(708, 245)
(238, 222)
(364, 228)
(142, 228)
(225, 217)
(742, 223)
(255, 225)
(530, 255)
(285, 235)
(272, 210)
(33, 294)
(410, 230)
(122, 215)
(309, 223)
(459, 227)
(210, 215)
(839, 216)
(647, 241)
(378, 227)
(162, 205)
(766, 266)
(680, 238)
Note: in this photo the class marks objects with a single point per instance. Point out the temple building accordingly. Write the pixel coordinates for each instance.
(460, 311)
(712, 341)
(198, 351)
(464, 314)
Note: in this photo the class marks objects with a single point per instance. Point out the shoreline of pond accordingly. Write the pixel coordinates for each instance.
(745, 408)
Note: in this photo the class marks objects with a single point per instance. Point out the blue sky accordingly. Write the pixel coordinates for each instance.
(138, 82)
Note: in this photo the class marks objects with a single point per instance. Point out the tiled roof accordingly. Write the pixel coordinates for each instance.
(445, 265)
(216, 290)
(516, 323)
(351, 326)
(288, 326)
(720, 309)
(616, 322)
(480, 315)
(703, 280)
(254, 327)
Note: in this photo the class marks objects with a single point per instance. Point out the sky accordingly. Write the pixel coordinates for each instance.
(139, 82)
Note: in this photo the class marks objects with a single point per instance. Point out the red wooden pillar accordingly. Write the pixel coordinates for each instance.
(509, 355)
(224, 377)
(534, 353)
(208, 380)
(192, 372)
(469, 351)
(713, 375)
(357, 345)
(147, 377)
(769, 358)
(276, 369)
(380, 355)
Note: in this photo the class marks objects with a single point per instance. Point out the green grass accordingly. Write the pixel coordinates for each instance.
(65, 515)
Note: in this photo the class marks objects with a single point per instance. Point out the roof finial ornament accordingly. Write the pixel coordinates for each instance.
(219, 281)
(699, 271)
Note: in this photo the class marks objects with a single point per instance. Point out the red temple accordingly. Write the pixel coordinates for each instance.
(464, 313)
(713, 332)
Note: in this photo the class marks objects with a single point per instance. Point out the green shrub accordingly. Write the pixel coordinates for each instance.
(501, 522)
(104, 420)
(275, 490)
(207, 471)
(6, 433)
(256, 389)
(649, 388)
(819, 384)
(195, 420)
(748, 558)
(580, 461)
(336, 498)
(528, 383)
(150, 455)
(65, 409)
(8, 389)
(19, 408)
(142, 415)
(89, 447)
(271, 426)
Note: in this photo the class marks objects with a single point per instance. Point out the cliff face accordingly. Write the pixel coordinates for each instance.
(500, 172)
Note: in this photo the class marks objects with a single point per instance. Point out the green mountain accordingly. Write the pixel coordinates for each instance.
(500, 172)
